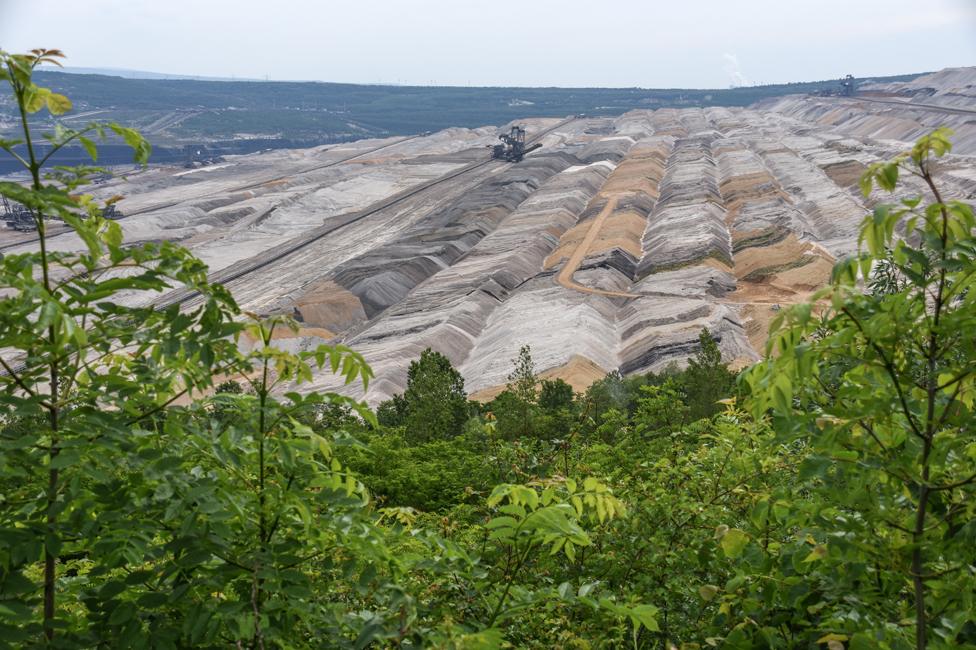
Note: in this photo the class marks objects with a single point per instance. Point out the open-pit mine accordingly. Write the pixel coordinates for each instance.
(609, 247)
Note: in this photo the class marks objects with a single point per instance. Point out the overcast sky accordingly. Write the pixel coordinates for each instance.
(619, 43)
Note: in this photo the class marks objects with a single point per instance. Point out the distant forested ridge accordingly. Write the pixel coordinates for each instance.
(244, 116)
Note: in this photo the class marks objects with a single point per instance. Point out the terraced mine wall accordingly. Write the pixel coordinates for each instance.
(609, 248)
(899, 111)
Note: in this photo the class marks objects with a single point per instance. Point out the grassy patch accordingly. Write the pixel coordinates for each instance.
(761, 274)
(712, 254)
(764, 237)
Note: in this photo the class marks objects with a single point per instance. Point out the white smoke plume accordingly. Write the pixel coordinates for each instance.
(732, 68)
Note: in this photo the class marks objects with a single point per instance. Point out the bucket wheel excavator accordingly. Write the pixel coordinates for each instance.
(512, 147)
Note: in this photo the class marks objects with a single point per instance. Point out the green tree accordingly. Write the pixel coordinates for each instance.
(660, 410)
(613, 426)
(885, 277)
(83, 369)
(516, 408)
(556, 395)
(522, 381)
(434, 406)
(123, 515)
(257, 500)
(391, 412)
(706, 380)
(690, 496)
(432, 477)
(882, 387)
(606, 394)
(557, 420)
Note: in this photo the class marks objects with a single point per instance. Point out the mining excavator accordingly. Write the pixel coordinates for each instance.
(18, 217)
(512, 147)
(848, 86)
(199, 156)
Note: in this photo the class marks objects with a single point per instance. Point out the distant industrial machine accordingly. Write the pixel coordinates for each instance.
(512, 147)
(197, 155)
(111, 212)
(17, 216)
(848, 86)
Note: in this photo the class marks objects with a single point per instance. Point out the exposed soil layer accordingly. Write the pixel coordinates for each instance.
(579, 372)
(609, 248)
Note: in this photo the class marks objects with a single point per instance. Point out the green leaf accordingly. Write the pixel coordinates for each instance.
(646, 615)
(489, 639)
(52, 543)
(814, 467)
(707, 592)
(34, 98)
(65, 458)
(570, 550)
(832, 637)
(865, 182)
(501, 522)
(733, 542)
(122, 614)
(585, 589)
(818, 553)
(58, 104)
(111, 589)
(140, 146)
(888, 179)
(113, 234)
(89, 147)
(782, 393)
